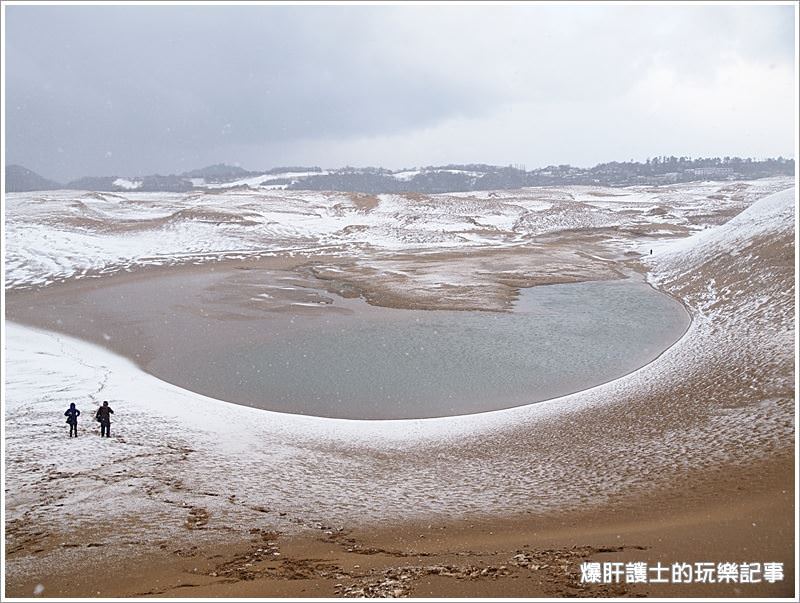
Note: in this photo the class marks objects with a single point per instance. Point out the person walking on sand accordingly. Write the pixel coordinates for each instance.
(72, 415)
(104, 416)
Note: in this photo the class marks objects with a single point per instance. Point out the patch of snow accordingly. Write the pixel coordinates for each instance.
(128, 184)
(264, 179)
(407, 175)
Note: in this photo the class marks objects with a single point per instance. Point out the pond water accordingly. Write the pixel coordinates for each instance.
(394, 364)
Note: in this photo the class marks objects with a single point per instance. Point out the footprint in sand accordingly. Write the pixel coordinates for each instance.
(197, 519)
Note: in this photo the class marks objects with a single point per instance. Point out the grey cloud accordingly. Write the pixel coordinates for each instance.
(119, 79)
(134, 89)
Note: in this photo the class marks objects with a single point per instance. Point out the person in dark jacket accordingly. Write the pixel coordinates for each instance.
(104, 416)
(72, 415)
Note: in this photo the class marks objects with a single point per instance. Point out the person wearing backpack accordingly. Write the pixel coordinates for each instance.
(72, 415)
(104, 416)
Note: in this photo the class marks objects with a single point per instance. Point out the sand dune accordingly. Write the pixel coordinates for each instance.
(186, 472)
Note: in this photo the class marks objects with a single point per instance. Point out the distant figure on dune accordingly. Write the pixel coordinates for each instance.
(72, 415)
(104, 416)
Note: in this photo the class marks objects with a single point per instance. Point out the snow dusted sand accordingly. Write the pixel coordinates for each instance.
(186, 477)
(393, 250)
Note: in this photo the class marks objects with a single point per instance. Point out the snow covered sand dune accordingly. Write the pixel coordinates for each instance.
(719, 400)
(58, 235)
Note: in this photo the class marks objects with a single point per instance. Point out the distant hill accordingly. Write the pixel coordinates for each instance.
(219, 172)
(152, 183)
(429, 179)
(93, 183)
(20, 179)
(291, 169)
(475, 177)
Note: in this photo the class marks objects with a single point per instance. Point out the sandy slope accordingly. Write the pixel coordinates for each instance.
(185, 471)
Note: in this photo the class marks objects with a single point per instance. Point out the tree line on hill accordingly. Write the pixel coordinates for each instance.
(431, 179)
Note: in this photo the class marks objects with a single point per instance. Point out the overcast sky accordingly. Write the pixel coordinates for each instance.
(117, 90)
